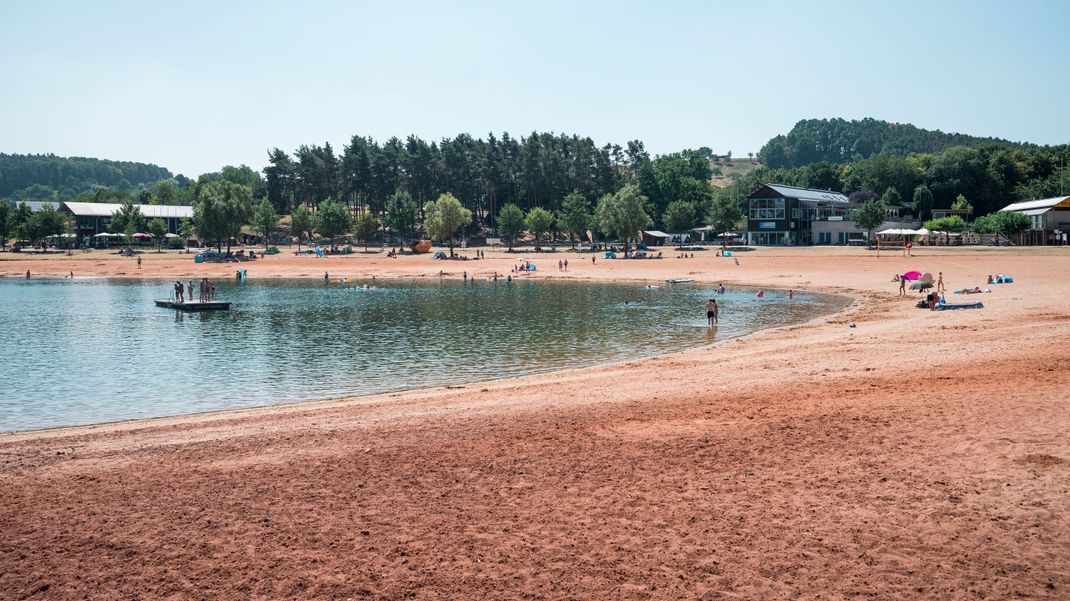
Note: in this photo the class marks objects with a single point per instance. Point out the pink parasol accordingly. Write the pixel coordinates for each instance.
(911, 275)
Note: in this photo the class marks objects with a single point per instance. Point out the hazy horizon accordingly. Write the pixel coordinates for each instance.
(198, 87)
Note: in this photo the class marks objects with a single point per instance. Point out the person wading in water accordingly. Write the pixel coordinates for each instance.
(712, 311)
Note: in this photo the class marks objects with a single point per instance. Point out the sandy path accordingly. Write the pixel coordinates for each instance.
(917, 455)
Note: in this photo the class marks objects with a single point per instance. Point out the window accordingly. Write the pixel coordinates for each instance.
(824, 237)
(767, 208)
(767, 238)
(843, 238)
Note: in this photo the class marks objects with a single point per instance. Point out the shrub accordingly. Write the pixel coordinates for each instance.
(176, 243)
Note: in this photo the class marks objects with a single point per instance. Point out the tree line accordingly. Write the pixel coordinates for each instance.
(47, 177)
(989, 176)
(567, 178)
(842, 141)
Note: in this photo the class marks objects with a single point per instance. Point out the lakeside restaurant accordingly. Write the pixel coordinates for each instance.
(91, 218)
(779, 215)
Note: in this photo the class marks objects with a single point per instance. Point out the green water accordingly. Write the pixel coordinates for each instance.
(88, 351)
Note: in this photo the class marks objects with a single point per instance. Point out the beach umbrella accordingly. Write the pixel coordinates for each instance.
(170, 235)
(921, 285)
(912, 275)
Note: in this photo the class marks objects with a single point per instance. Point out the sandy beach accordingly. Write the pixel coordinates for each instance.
(917, 455)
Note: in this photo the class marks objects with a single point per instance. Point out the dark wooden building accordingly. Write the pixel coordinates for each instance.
(779, 215)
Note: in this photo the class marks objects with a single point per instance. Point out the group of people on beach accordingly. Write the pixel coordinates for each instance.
(206, 291)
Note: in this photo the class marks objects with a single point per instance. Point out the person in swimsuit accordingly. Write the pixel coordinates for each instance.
(711, 312)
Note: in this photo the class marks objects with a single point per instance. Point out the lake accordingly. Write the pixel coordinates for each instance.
(95, 350)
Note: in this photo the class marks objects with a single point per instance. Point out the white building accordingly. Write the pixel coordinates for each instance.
(1050, 219)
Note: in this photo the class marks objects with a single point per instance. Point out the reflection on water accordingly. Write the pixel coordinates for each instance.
(85, 351)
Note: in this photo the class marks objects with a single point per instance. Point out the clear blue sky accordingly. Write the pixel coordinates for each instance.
(193, 86)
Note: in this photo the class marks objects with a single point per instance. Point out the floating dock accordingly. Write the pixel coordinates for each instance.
(194, 305)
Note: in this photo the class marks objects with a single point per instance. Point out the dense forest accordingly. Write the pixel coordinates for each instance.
(537, 170)
(49, 177)
(988, 176)
(869, 158)
(842, 141)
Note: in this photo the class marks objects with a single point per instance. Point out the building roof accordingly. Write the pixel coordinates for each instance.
(107, 209)
(657, 234)
(1063, 202)
(806, 193)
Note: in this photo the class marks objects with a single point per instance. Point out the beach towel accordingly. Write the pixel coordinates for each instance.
(954, 306)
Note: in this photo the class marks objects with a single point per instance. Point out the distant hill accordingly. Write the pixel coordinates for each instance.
(842, 141)
(50, 177)
(726, 171)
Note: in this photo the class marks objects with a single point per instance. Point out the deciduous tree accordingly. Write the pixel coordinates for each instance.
(923, 201)
(510, 223)
(365, 226)
(158, 230)
(332, 219)
(301, 225)
(869, 216)
(538, 222)
(679, 216)
(401, 212)
(6, 222)
(444, 216)
(265, 221)
(724, 214)
(575, 216)
(623, 213)
(222, 208)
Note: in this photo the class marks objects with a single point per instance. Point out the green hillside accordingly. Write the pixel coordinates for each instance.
(842, 141)
(50, 177)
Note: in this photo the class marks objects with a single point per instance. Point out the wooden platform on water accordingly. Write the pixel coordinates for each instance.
(194, 305)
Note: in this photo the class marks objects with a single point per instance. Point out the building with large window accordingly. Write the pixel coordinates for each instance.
(91, 218)
(785, 215)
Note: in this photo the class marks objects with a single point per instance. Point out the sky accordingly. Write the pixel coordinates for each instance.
(193, 86)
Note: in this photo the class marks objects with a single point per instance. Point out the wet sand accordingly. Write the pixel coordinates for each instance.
(917, 455)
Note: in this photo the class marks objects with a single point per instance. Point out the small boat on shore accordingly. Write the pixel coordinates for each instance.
(679, 280)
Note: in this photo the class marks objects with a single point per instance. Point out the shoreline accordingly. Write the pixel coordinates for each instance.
(855, 303)
(921, 454)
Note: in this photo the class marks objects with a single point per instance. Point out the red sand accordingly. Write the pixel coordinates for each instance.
(918, 455)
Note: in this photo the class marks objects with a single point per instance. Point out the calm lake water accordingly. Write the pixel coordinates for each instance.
(89, 351)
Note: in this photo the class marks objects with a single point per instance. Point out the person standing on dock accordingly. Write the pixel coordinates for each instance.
(178, 291)
(189, 290)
